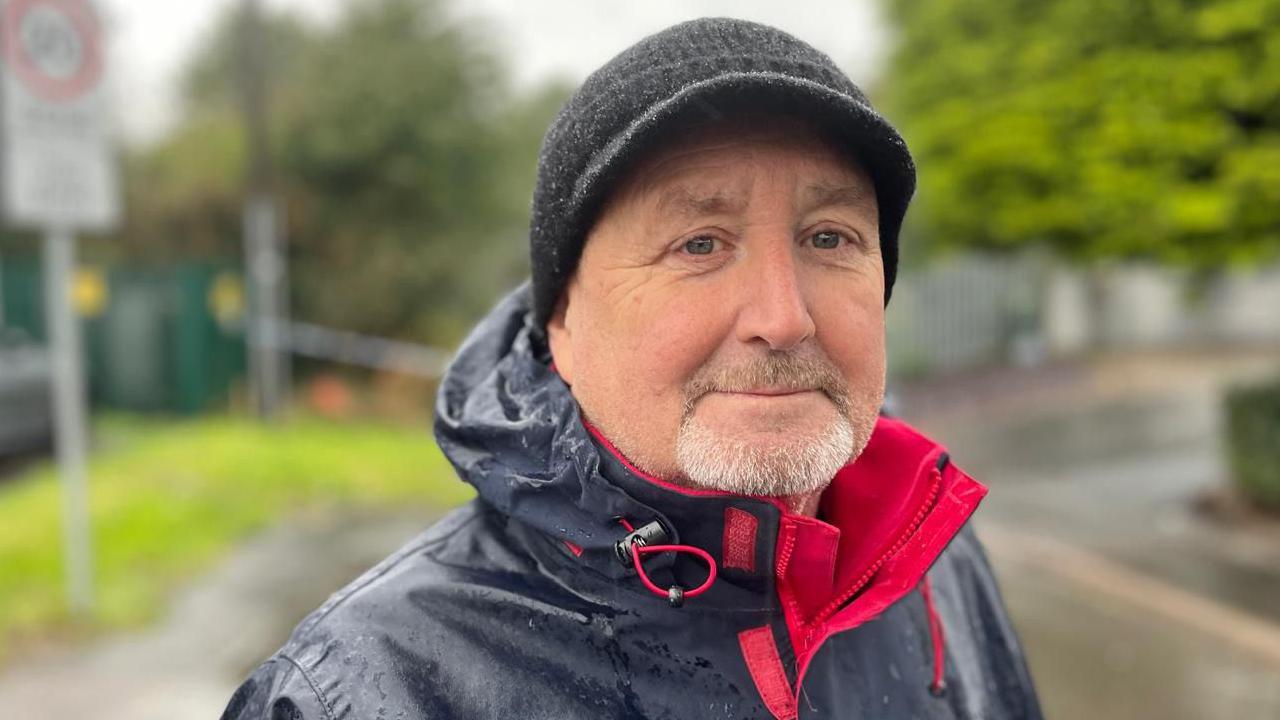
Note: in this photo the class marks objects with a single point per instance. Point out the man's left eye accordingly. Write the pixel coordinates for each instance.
(826, 239)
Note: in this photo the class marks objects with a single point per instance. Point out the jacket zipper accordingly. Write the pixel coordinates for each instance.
(835, 605)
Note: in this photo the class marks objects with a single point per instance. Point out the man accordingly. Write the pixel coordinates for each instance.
(688, 505)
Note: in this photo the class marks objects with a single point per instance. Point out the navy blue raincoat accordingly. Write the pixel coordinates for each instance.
(551, 594)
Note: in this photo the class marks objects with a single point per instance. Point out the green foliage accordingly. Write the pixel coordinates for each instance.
(182, 199)
(1145, 129)
(399, 149)
(168, 499)
(211, 80)
(1253, 443)
(404, 161)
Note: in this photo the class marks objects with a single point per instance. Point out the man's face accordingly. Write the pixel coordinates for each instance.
(725, 325)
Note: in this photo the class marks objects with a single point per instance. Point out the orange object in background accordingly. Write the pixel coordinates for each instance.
(330, 396)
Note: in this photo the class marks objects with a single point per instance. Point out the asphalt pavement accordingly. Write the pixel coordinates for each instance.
(1132, 601)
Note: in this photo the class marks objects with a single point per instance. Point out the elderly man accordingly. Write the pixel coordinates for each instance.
(689, 506)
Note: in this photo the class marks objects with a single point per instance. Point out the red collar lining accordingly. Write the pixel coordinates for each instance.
(668, 485)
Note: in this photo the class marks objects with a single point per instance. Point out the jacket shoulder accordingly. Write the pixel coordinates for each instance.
(343, 654)
(981, 635)
(279, 689)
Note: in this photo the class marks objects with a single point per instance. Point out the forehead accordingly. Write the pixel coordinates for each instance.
(696, 163)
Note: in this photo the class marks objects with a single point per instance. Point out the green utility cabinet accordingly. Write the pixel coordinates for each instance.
(162, 339)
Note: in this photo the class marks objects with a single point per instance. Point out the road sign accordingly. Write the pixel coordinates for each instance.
(55, 157)
(57, 173)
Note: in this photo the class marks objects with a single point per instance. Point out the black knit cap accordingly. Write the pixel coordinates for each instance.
(697, 67)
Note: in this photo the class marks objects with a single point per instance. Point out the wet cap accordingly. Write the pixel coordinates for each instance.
(702, 67)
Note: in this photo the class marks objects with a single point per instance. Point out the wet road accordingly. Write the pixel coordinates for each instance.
(1131, 603)
(1104, 656)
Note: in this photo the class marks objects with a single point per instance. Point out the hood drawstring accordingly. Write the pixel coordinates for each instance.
(637, 544)
(939, 684)
(645, 541)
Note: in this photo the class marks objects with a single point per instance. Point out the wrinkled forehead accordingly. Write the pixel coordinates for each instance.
(669, 175)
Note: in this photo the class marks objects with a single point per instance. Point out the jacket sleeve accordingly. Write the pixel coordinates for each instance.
(279, 689)
(981, 637)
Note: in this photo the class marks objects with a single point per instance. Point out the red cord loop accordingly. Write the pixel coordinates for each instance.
(639, 550)
(675, 594)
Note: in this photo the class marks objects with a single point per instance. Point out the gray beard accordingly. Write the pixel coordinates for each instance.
(793, 466)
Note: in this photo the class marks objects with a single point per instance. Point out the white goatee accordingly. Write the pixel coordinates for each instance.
(798, 465)
(801, 462)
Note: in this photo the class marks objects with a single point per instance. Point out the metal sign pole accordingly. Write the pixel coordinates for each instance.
(69, 415)
(264, 253)
(267, 357)
(57, 174)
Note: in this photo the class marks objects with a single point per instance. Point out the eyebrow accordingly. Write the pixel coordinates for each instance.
(820, 195)
(687, 203)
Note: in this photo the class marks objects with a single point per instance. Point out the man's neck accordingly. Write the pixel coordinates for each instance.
(805, 503)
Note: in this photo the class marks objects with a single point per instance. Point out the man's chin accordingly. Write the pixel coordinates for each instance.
(769, 461)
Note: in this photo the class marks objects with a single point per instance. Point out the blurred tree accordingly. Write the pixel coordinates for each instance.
(400, 144)
(184, 194)
(405, 161)
(1144, 129)
(210, 82)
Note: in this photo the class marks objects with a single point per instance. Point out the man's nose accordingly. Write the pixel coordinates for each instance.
(774, 308)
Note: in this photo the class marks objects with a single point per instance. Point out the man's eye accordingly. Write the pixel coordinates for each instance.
(702, 245)
(826, 240)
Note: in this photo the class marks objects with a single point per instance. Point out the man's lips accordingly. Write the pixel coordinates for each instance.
(768, 392)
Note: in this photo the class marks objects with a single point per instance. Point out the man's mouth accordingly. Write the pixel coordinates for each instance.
(770, 392)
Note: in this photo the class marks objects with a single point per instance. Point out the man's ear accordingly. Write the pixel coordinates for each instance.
(559, 336)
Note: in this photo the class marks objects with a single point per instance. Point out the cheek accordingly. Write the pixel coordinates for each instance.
(662, 337)
(852, 333)
(629, 377)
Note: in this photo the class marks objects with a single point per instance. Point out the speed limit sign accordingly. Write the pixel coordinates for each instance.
(57, 161)
(58, 176)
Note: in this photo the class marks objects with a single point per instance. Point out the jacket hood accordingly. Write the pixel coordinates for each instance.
(511, 428)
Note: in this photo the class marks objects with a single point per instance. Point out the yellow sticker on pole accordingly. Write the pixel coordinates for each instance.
(226, 298)
(89, 293)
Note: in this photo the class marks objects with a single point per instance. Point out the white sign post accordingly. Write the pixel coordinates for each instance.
(58, 175)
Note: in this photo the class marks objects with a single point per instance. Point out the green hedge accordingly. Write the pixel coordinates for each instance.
(1253, 442)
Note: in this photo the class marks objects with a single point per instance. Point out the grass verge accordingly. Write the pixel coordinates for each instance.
(170, 497)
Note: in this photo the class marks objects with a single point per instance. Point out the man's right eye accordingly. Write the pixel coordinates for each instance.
(701, 245)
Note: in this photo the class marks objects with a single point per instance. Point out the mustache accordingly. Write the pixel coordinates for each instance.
(801, 369)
